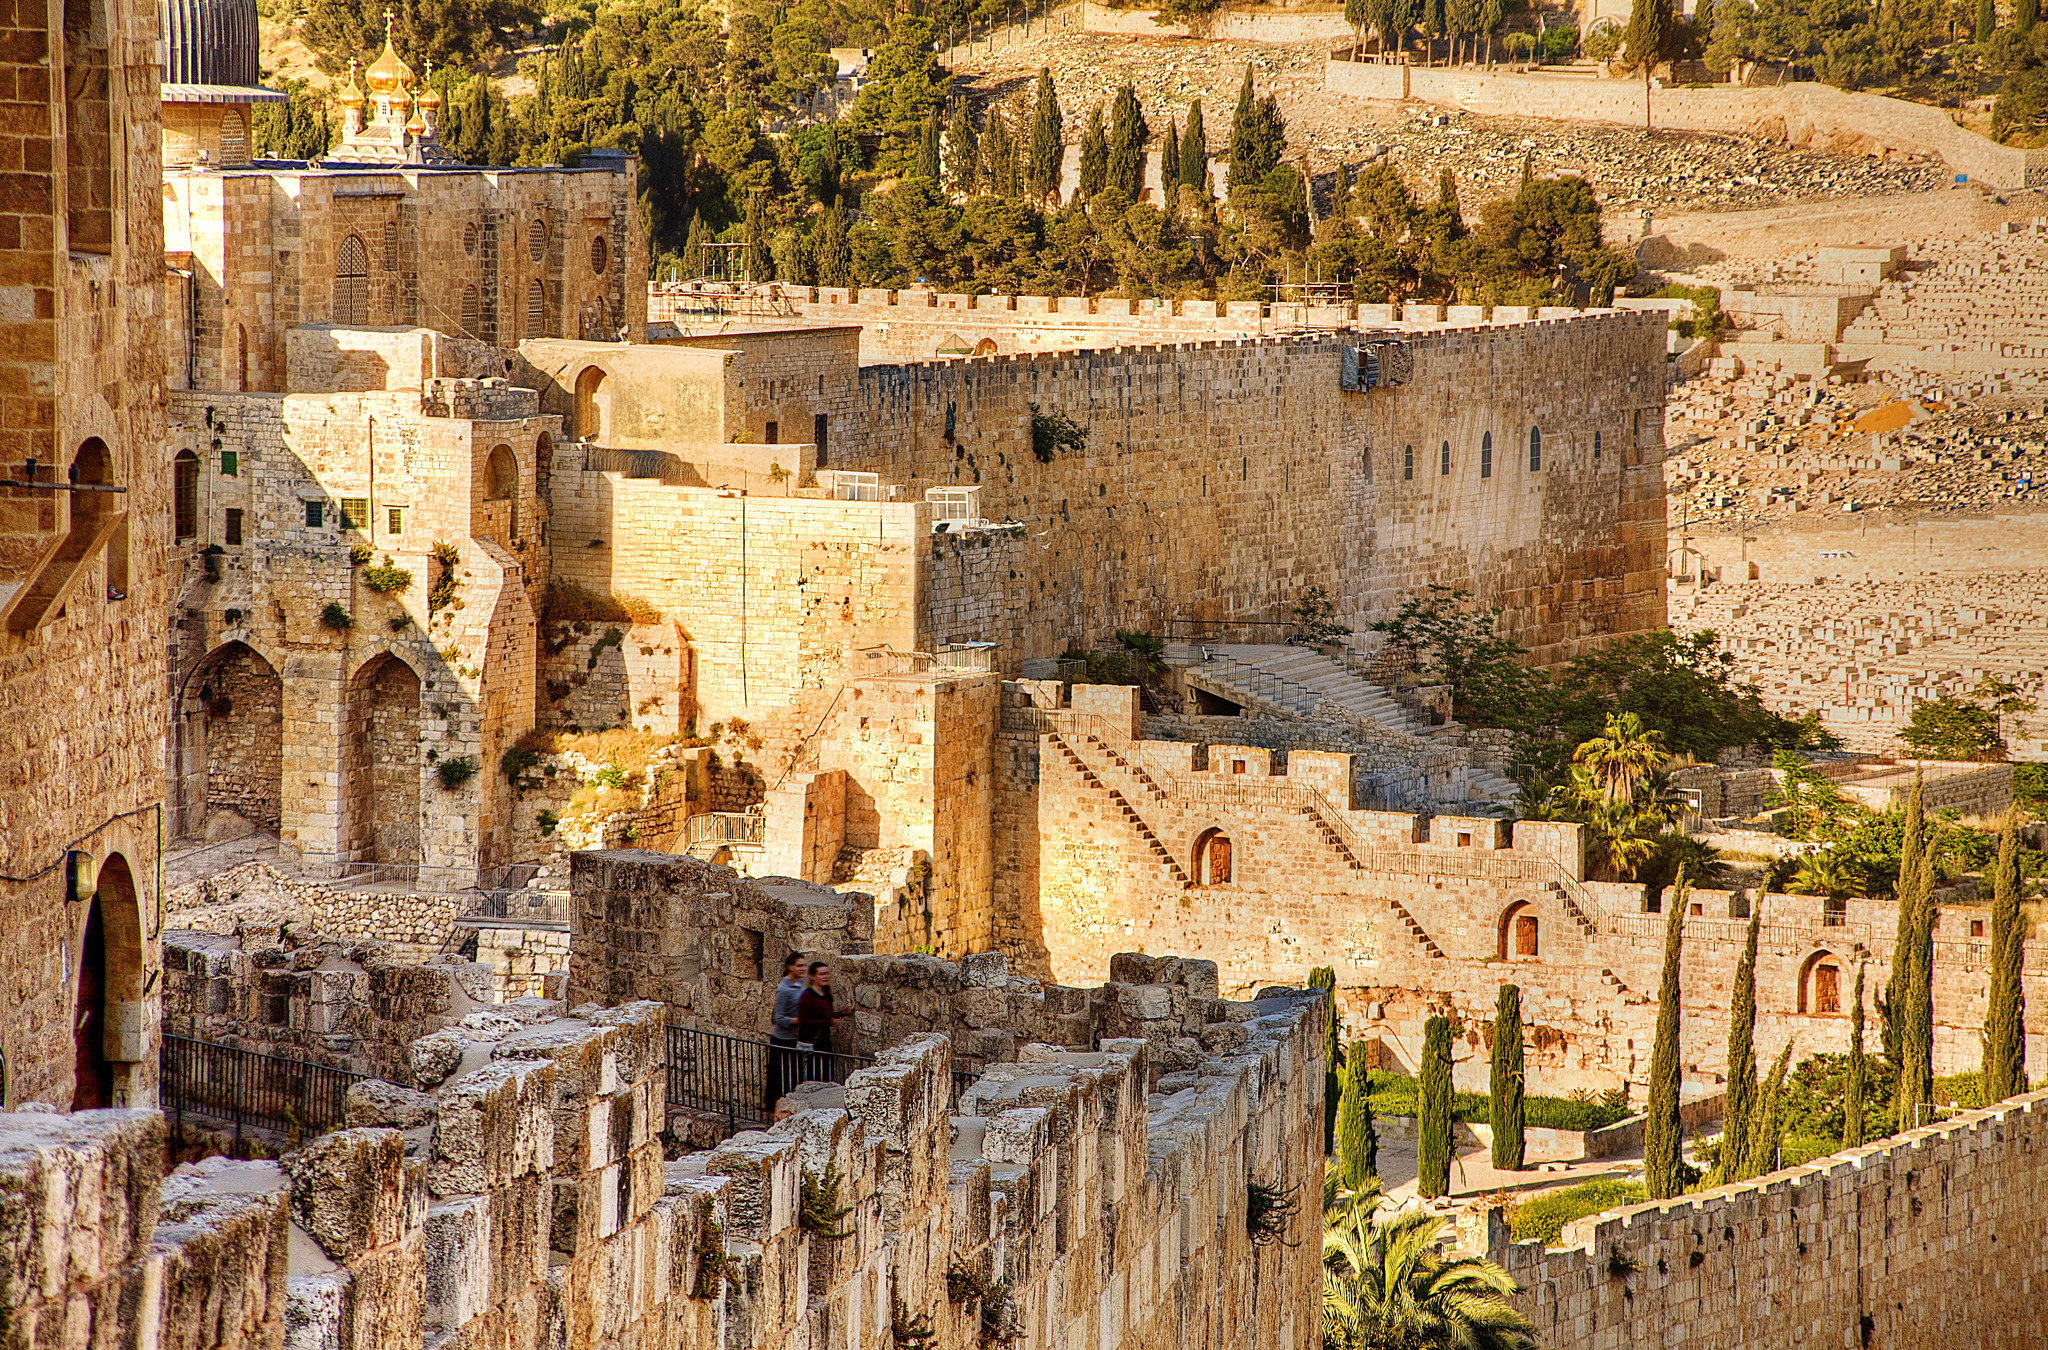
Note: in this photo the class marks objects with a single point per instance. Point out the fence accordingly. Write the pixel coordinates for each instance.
(725, 827)
(740, 1079)
(249, 1088)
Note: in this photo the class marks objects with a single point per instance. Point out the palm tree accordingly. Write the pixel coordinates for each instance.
(1830, 872)
(1387, 1287)
(1624, 757)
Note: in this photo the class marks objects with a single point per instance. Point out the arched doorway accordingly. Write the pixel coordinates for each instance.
(589, 415)
(380, 806)
(108, 1029)
(231, 744)
(1520, 933)
(985, 347)
(501, 496)
(1212, 859)
(1820, 986)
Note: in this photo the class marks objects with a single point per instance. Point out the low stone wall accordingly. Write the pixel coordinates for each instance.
(1799, 113)
(1929, 1238)
(353, 1005)
(258, 895)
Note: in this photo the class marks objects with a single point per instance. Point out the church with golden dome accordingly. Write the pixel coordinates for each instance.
(389, 118)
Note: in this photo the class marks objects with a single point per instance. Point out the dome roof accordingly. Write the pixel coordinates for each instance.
(207, 42)
(387, 74)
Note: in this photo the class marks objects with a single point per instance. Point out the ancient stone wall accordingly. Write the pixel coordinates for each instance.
(348, 1003)
(1161, 516)
(255, 895)
(82, 578)
(1927, 1237)
(598, 675)
(282, 490)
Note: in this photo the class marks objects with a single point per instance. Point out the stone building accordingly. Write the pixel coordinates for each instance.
(84, 518)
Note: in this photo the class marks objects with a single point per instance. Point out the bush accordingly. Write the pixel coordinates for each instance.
(1544, 1217)
(1052, 432)
(1393, 1094)
(335, 617)
(453, 773)
(388, 579)
(359, 555)
(568, 602)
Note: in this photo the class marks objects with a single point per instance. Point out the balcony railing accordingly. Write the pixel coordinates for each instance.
(249, 1088)
(741, 1079)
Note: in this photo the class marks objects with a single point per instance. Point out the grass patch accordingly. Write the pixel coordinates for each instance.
(629, 749)
(1393, 1094)
(569, 603)
(1544, 1217)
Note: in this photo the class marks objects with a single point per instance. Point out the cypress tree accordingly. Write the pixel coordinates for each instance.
(754, 241)
(1859, 1069)
(1889, 1006)
(2004, 1029)
(1048, 142)
(1325, 979)
(1194, 152)
(1741, 1096)
(1169, 166)
(2025, 14)
(1358, 1147)
(1987, 20)
(1505, 1085)
(963, 150)
(1127, 136)
(1912, 969)
(1433, 1112)
(1663, 1131)
(1767, 1129)
(1094, 155)
(1243, 128)
(696, 258)
(928, 146)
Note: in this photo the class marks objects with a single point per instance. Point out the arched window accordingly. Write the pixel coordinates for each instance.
(472, 312)
(469, 240)
(1486, 455)
(391, 246)
(1443, 466)
(600, 253)
(501, 475)
(1408, 461)
(1535, 450)
(536, 310)
(1820, 986)
(588, 416)
(352, 283)
(185, 495)
(536, 240)
(1520, 935)
(985, 347)
(1212, 859)
(234, 137)
(1596, 445)
(89, 128)
(241, 357)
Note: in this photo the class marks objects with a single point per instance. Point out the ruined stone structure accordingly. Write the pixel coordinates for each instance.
(83, 533)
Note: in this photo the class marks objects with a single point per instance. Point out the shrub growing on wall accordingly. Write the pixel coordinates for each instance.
(387, 579)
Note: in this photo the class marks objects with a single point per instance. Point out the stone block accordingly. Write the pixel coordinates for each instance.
(353, 1191)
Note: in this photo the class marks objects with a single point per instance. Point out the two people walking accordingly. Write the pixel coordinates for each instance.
(801, 1034)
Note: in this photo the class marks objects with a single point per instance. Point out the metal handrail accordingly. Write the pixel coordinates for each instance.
(725, 827)
(250, 1087)
(716, 1073)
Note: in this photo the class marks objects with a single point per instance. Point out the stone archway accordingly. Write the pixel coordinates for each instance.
(1212, 861)
(109, 1036)
(380, 802)
(230, 750)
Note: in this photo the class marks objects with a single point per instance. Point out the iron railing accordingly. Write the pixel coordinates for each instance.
(725, 827)
(716, 1074)
(248, 1087)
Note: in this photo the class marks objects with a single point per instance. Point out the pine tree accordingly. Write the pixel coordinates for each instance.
(1506, 1083)
(696, 258)
(754, 242)
(1767, 1130)
(2025, 14)
(1169, 166)
(1094, 155)
(1358, 1146)
(1987, 20)
(1194, 153)
(928, 147)
(998, 156)
(962, 150)
(1433, 1112)
(1127, 136)
(1740, 1101)
(1662, 1130)
(2005, 1034)
(1859, 1070)
(1048, 147)
(1243, 129)
(1325, 979)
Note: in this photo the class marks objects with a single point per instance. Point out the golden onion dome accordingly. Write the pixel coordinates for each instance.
(388, 74)
(428, 99)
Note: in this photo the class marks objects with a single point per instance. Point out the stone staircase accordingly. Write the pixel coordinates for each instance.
(1297, 680)
(1123, 805)
(1422, 939)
